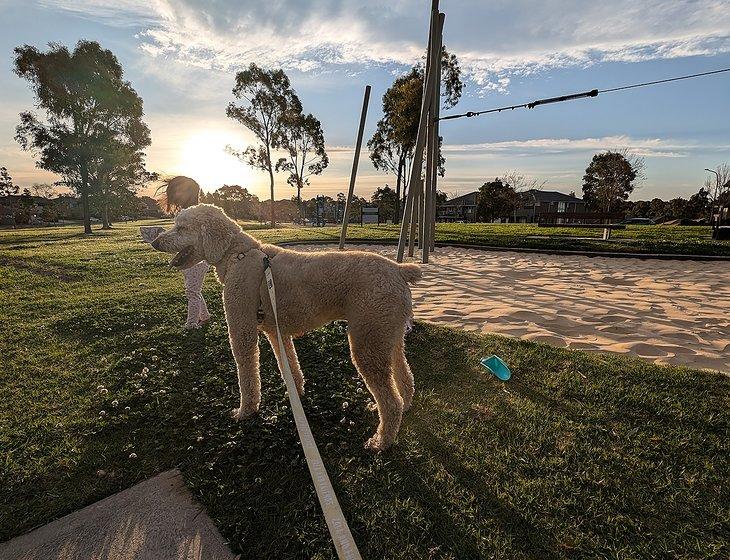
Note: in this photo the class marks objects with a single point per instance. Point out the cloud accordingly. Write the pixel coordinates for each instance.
(494, 40)
(645, 147)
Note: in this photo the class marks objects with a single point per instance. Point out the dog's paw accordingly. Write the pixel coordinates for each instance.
(243, 413)
(376, 444)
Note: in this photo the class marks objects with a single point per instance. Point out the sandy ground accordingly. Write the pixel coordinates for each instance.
(668, 312)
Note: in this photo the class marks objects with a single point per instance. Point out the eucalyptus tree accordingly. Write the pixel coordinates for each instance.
(265, 98)
(391, 146)
(302, 140)
(88, 106)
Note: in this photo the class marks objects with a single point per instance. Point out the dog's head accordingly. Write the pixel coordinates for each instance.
(201, 232)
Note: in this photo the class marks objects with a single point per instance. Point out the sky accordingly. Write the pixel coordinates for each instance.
(182, 56)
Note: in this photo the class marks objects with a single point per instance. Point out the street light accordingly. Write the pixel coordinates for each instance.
(717, 192)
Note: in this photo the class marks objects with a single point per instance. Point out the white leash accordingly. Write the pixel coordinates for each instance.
(336, 522)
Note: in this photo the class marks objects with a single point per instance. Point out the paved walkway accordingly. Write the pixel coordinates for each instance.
(665, 311)
(154, 520)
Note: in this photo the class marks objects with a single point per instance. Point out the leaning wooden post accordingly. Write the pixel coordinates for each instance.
(432, 141)
(353, 175)
(417, 195)
(416, 167)
(436, 113)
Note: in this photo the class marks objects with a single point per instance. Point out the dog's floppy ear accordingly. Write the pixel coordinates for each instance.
(216, 234)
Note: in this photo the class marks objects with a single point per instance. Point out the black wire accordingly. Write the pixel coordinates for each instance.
(592, 93)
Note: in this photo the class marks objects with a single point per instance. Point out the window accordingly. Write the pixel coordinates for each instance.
(561, 206)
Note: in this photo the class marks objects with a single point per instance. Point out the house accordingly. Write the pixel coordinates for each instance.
(460, 209)
(534, 206)
(548, 206)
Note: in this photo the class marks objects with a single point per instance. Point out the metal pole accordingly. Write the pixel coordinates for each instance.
(353, 175)
(418, 148)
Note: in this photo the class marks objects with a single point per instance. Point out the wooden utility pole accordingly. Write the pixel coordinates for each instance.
(432, 155)
(415, 209)
(353, 175)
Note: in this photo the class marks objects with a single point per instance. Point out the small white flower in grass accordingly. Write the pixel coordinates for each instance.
(359, 389)
(127, 409)
(132, 455)
(140, 391)
(190, 447)
(196, 417)
(155, 358)
(162, 392)
(102, 413)
(258, 480)
(343, 421)
(115, 403)
(345, 405)
(199, 439)
(145, 369)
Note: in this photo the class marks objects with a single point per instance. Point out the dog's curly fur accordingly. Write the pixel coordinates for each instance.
(369, 291)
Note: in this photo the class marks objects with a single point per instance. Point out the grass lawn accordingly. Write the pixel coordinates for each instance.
(578, 456)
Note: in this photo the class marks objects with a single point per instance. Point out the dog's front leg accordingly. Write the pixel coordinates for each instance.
(240, 303)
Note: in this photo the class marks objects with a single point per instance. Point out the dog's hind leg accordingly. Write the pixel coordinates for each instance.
(371, 354)
(291, 355)
(403, 375)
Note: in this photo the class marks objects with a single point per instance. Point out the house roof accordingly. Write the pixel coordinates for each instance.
(552, 196)
(464, 199)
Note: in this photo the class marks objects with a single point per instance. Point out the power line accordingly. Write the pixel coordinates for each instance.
(571, 97)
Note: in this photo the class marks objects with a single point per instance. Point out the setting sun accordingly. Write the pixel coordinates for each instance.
(203, 157)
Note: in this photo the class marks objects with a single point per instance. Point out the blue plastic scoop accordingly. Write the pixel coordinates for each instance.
(496, 365)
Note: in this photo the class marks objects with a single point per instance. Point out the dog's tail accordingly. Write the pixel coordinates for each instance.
(410, 272)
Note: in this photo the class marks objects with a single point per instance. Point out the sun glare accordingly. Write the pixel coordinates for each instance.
(203, 157)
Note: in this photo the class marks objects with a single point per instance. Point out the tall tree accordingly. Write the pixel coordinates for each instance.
(302, 140)
(386, 200)
(497, 199)
(86, 101)
(7, 187)
(117, 176)
(610, 179)
(266, 97)
(718, 187)
(391, 146)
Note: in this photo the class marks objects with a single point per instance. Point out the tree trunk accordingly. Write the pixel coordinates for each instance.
(85, 200)
(299, 203)
(273, 209)
(105, 216)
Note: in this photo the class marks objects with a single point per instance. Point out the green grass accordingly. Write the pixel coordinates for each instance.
(685, 240)
(579, 456)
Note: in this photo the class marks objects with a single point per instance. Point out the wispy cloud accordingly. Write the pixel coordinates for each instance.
(647, 147)
(494, 42)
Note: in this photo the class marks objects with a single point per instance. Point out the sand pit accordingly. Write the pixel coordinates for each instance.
(668, 312)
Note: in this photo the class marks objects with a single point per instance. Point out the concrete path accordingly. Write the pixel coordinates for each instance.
(154, 520)
(665, 311)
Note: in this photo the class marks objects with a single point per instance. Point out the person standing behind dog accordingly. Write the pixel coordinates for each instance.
(179, 193)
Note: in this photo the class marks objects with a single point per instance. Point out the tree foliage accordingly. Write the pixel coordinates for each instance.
(90, 111)
(236, 201)
(391, 146)
(7, 187)
(302, 140)
(497, 199)
(265, 98)
(386, 199)
(610, 178)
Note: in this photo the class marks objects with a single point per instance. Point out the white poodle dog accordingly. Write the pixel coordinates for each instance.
(367, 290)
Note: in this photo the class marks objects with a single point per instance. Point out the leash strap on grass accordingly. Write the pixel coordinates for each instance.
(336, 522)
